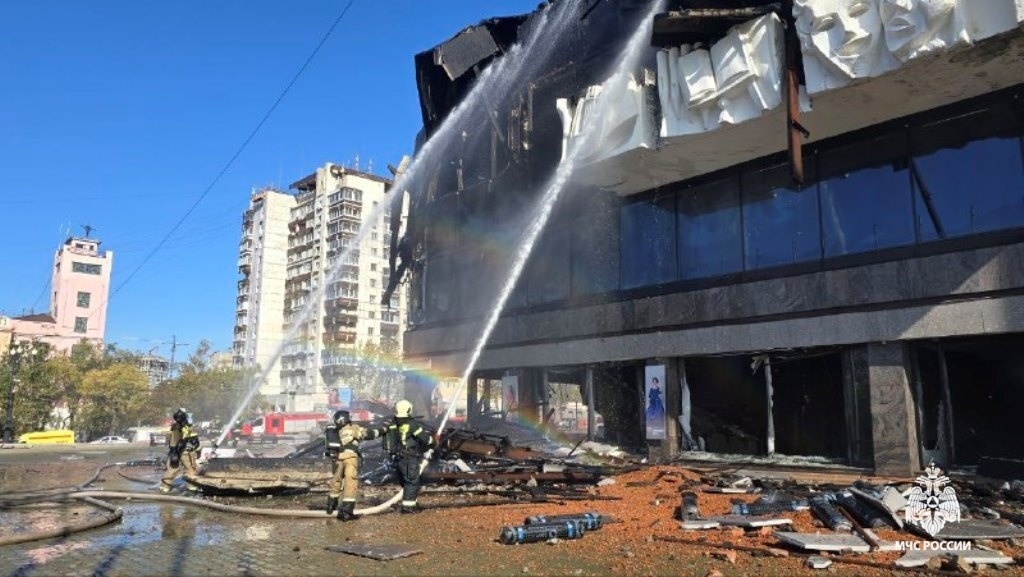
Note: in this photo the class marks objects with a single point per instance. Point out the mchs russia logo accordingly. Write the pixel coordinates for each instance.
(932, 504)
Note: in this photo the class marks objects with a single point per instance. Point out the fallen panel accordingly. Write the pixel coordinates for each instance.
(750, 522)
(983, 557)
(488, 478)
(918, 558)
(699, 525)
(831, 542)
(731, 490)
(970, 530)
(377, 552)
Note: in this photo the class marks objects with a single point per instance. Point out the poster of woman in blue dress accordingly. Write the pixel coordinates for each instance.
(654, 375)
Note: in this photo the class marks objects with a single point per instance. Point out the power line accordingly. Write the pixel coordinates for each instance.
(237, 153)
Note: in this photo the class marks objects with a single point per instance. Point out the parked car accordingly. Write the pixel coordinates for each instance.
(110, 440)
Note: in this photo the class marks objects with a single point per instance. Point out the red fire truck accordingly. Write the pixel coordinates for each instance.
(273, 425)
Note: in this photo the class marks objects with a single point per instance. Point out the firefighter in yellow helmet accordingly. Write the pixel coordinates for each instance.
(407, 439)
(342, 444)
(184, 448)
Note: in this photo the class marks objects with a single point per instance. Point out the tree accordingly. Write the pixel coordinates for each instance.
(115, 398)
(66, 378)
(33, 394)
(211, 394)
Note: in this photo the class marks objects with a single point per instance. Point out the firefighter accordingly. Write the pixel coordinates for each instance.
(184, 447)
(407, 439)
(342, 447)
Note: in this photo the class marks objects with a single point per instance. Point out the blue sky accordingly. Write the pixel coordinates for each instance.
(118, 115)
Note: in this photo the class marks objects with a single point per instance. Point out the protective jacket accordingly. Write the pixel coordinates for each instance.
(347, 438)
(406, 438)
(183, 438)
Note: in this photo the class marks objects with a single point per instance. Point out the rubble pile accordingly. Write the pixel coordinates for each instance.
(915, 524)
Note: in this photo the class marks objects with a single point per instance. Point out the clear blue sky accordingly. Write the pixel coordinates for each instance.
(118, 114)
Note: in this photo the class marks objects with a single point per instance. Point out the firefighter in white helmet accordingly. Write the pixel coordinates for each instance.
(407, 439)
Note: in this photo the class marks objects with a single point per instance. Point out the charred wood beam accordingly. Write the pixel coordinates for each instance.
(926, 197)
(792, 79)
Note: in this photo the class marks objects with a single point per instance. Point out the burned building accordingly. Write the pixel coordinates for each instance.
(805, 220)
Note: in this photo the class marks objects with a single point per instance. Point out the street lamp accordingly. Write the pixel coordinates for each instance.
(15, 351)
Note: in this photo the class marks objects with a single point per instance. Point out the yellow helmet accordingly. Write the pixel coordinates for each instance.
(403, 408)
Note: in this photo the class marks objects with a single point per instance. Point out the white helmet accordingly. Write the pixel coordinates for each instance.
(403, 408)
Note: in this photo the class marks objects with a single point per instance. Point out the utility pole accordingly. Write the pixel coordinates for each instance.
(174, 349)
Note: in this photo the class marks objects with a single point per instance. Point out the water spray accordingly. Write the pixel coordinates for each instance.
(558, 181)
(503, 69)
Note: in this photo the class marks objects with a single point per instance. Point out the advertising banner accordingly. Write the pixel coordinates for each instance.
(510, 393)
(339, 398)
(654, 395)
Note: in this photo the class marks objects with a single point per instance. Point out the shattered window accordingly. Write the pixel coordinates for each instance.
(865, 196)
(710, 243)
(780, 221)
(648, 243)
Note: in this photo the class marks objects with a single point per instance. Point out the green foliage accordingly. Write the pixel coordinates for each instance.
(372, 373)
(113, 398)
(209, 393)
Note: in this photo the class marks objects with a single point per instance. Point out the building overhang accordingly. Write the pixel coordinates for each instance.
(712, 108)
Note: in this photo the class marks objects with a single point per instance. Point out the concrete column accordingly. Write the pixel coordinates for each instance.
(472, 401)
(530, 402)
(857, 403)
(893, 425)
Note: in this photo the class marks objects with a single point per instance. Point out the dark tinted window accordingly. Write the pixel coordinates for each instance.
(648, 243)
(780, 221)
(549, 266)
(595, 253)
(866, 201)
(710, 241)
(440, 286)
(969, 176)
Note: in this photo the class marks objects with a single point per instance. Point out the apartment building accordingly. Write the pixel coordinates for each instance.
(321, 309)
(262, 262)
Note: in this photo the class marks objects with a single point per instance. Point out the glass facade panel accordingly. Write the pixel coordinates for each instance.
(595, 254)
(443, 232)
(647, 243)
(440, 287)
(549, 268)
(780, 221)
(866, 201)
(968, 175)
(710, 241)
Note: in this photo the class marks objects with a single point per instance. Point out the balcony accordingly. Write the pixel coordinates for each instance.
(340, 337)
(339, 359)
